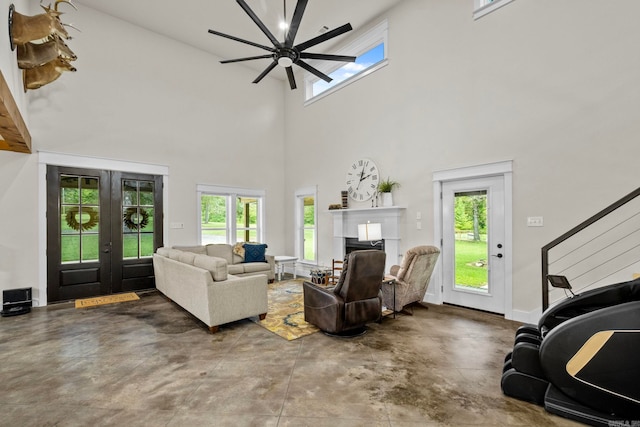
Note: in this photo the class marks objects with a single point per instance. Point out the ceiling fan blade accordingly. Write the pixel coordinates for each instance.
(292, 79)
(295, 22)
(258, 22)
(266, 71)
(324, 37)
(325, 57)
(249, 58)
(314, 71)
(217, 33)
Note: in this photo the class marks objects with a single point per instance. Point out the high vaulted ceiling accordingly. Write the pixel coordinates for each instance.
(188, 21)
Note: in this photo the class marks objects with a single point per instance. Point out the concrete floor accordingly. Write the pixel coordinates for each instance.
(148, 363)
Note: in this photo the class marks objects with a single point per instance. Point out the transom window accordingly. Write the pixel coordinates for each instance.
(230, 215)
(483, 7)
(370, 51)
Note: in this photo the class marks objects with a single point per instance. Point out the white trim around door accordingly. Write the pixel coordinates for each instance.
(504, 169)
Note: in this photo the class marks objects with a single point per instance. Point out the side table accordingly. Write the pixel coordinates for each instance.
(391, 281)
(281, 260)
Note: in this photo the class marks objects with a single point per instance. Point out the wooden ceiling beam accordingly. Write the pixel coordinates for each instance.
(14, 135)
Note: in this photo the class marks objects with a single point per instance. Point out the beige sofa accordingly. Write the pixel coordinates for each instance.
(235, 263)
(201, 285)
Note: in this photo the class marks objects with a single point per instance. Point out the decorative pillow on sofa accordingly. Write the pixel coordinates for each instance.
(238, 249)
(254, 252)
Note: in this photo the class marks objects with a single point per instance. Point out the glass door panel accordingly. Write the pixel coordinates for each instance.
(471, 251)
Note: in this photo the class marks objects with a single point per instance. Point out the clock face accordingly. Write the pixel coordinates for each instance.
(362, 180)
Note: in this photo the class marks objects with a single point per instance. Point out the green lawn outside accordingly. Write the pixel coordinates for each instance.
(309, 246)
(466, 254)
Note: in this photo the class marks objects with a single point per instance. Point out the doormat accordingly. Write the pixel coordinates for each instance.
(285, 316)
(109, 299)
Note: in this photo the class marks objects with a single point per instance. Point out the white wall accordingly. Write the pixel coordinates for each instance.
(550, 85)
(144, 98)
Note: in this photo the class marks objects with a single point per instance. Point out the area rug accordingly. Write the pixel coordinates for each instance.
(108, 299)
(285, 316)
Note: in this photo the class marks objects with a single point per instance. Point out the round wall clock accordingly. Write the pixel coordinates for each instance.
(362, 179)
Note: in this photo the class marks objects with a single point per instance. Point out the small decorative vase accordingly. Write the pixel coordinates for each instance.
(387, 199)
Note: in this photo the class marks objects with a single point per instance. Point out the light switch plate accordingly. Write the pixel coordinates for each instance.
(535, 221)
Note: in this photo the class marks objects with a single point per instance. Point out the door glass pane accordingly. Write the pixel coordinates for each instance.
(69, 189)
(70, 248)
(213, 219)
(137, 219)
(130, 245)
(90, 191)
(146, 193)
(90, 244)
(79, 218)
(146, 244)
(471, 251)
(129, 193)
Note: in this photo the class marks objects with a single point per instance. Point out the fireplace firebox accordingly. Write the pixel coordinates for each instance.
(353, 244)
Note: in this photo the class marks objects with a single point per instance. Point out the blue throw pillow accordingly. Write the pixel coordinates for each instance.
(254, 252)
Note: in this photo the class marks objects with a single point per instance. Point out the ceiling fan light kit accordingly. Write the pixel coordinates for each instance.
(286, 54)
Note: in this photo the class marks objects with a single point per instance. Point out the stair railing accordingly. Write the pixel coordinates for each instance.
(574, 231)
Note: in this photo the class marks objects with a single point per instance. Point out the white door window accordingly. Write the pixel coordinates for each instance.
(473, 246)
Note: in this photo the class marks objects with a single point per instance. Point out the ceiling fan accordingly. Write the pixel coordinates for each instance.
(285, 54)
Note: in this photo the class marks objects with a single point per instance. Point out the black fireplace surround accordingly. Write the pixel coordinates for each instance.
(353, 244)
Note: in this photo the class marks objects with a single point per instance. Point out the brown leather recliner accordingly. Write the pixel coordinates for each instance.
(355, 301)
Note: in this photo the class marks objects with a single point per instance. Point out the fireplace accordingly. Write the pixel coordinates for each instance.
(353, 244)
(345, 231)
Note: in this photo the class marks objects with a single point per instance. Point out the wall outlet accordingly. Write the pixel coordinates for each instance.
(418, 215)
(418, 225)
(535, 221)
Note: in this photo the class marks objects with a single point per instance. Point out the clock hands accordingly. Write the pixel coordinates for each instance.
(361, 178)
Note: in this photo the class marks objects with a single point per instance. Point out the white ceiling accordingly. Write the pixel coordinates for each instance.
(188, 22)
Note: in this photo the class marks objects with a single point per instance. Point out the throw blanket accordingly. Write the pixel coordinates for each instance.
(238, 249)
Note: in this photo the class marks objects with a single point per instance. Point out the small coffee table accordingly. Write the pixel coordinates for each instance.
(281, 260)
(391, 281)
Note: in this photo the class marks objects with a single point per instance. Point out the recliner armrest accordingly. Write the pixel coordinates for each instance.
(394, 270)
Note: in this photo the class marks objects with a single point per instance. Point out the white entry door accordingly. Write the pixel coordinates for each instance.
(473, 236)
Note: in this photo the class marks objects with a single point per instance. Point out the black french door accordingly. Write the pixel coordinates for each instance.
(102, 230)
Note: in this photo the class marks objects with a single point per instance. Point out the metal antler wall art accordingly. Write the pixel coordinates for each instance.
(42, 53)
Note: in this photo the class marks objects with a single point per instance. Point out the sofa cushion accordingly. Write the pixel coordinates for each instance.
(235, 268)
(221, 250)
(216, 266)
(254, 267)
(195, 249)
(254, 252)
(163, 251)
(175, 254)
(187, 257)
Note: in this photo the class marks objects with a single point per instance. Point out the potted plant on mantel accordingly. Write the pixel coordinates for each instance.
(384, 188)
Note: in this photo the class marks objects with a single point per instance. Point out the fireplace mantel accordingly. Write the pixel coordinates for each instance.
(345, 224)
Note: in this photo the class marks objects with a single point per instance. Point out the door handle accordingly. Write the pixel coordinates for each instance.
(498, 256)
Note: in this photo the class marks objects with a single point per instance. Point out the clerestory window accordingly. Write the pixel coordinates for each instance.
(483, 7)
(370, 51)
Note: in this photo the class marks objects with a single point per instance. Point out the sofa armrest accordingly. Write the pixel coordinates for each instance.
(271, 259)
(237, 298)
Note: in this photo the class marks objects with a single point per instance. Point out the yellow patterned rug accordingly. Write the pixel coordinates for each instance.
(109, 299)
(286, 311)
